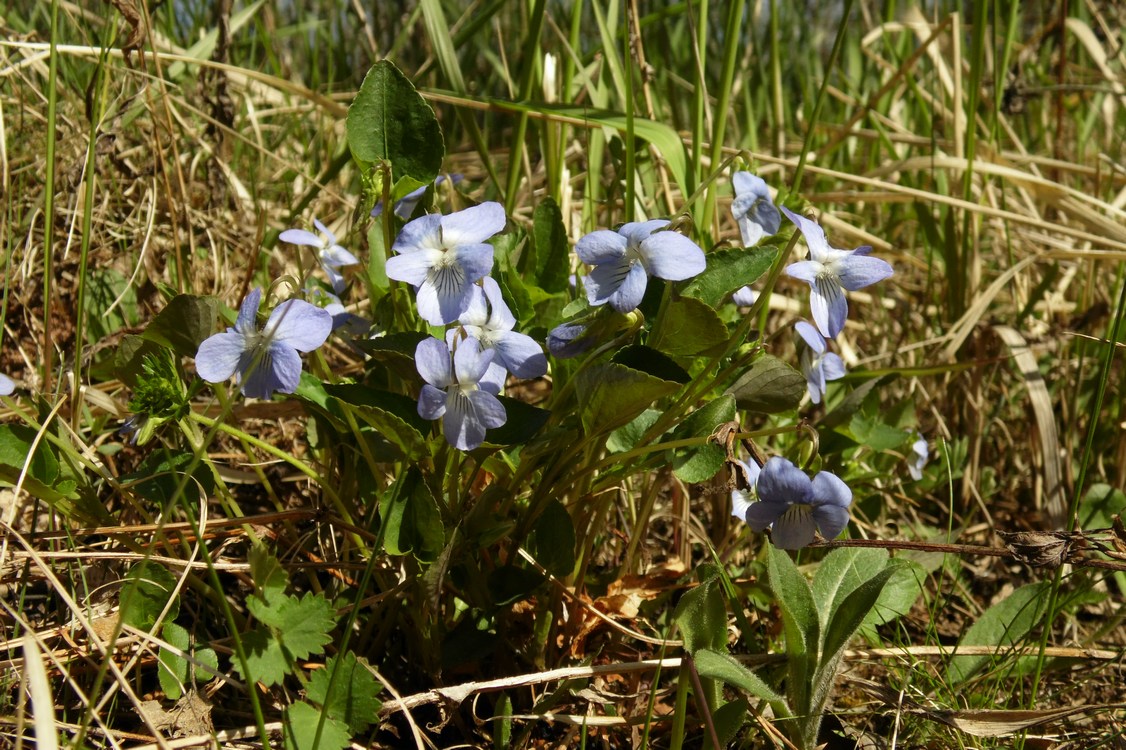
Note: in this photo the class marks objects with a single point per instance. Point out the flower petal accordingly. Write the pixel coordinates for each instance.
(490, 411)
(277, 369)
(637, 232)
(325, 231)
(672, 256)
(795, 528)
(218, 356)
(337, 256)
(520, 354)
(432, 360)
(804, 270)
(424, 233)
(631, 291)
(859, 271)
(831, 520)
(832, 366)
(601, 246)
(810, 335)
(828, 305)
(605, 279)
(782, 482)
(814, 235)
(473, 225)
(7, 385)
(247, 320)
(298, 325)
(301, 237)
(760, 515)
(744, 296)
(829, 489)
(476, 260)
(431, 402)
(740, 502)
(412, 267)
(470, 362)
(500, 317)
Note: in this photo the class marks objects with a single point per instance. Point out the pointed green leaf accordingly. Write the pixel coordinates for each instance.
(689, 327)
(1003, 625)
(702, 462)
(841, 572)
(769, 386)
(701, 616)
(347, 690)
(413, 521)
(850, 612)
(611, 395)
(183, 324)
(553, 250)
(172, 669)
(729, 270)
(724, 667)
(390, 122)
(796, 601)
(552, 542)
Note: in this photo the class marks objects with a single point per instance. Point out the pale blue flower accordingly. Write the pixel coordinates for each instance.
(829, 272)
(741, 499)
(817, 363)
(330, 255)
(753, 208)
(744, 296)
(7, 385)
(796, 507)
(266, 361)
(922, 453)
(624, 260)
(489, 320)
(442, 256)
(405, 206)
(460, 390)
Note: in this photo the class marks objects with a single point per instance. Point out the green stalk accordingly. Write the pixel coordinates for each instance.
(531, 58)
(733, 38)
(48, 348)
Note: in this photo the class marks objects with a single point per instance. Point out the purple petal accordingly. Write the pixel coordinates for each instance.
(832, 366)
(298, 325)
(277, 369)
(477, 260)
(248, 313)
(760, 515)
(520, 354)
(747, 183)
(804, 270)
(828, 305)
(829, 489)
(632, 290)
(301, 237)
(424, 233)
(477, 311)
(494, 378)
(8, 386)
(750, 472)
(336, 279)
(812, 338)
(337, 256)
(859, 271)
(218, 356)
(831, 520)
(813, 233)
(325, 231)
(568, 340)
(795, 528)
(412, 267)
(470, 362)
(602, 246)
(740, 502)
(500, 317)
(637, 232)
(473, 225)
(490, 411)
(432, 359)
(744, 296)
(782, 482)
(672, 256)
(431, 402)
(604, 280)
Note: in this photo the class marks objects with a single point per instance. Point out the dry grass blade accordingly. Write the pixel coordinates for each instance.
(1003, 723)
(42, 705)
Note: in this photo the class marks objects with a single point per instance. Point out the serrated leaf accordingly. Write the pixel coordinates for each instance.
(393, 416)
(265, 658)
(147, 589)
(874, 433)
(390, 122)
(553, 251)
(552, 541)
(729, 270)
(769, 386)
(724, 667)
(346, 689)
(689, 327)
(306, 729)
(611, 395)
(266, 571)
(183, 324)
(302, 625)
(1003, 625)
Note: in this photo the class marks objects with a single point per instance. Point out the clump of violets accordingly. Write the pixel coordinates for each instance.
(793, 506)
(624, 260)
(818, 364)
(753, 208)
(264, 361)
(829, 272)
(442, 257)
(460, 389)
(330, 254)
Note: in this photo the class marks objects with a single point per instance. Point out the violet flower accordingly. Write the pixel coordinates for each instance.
(753, 208)
(795, 507)
(459, 391)
(489, 320)
(330, 255)
(817, 363)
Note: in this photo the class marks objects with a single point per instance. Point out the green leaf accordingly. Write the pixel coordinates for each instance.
(611, 395)
(878, 436)
(721, 666)
(147, 588)
(553, 250)
(390, 122)
(522, 423)
(552, 541)
(728, 719)
(15, 446)
(799, 613)
(769, 386)
(307, 729)
(625, 437)
(393, 417)
(652, 362)
(852, 402)
(729, 270)
(412, 519)
(183, 324)
(1003, 625)
(849, 614)
(900, 592)
(841, 572)
(172, 669)
(689, 327)
(302, 625)
(700, 463)
(265, 658)
(267, 572)
(347, 690)
(701, 616)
